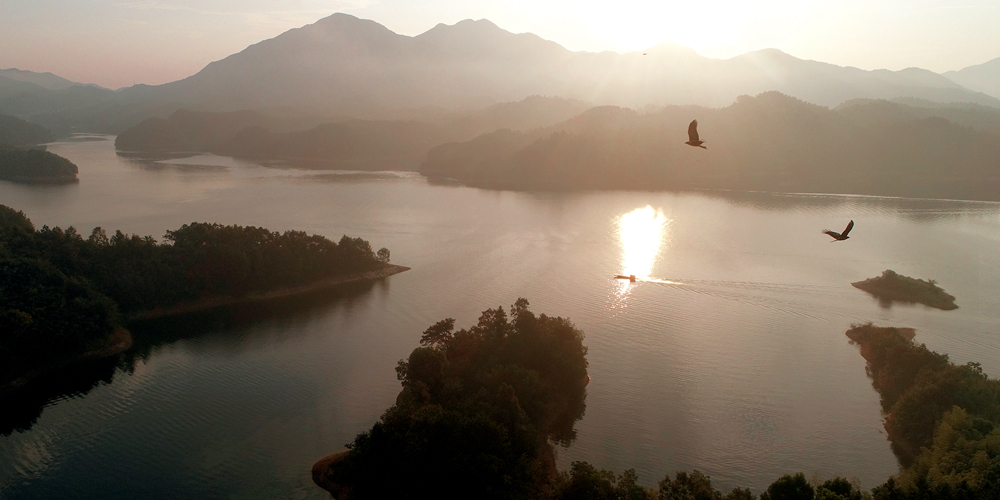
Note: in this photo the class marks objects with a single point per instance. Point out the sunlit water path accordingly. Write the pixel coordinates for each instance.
(727, 355)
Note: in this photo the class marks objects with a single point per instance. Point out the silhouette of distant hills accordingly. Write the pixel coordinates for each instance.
(983, 78)
(771, 142)
(45, 80)
(65, 109)
(354, 68)
(338, 143)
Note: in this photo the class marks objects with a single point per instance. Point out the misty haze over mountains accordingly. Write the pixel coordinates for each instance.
(983, 78)
(348, 67)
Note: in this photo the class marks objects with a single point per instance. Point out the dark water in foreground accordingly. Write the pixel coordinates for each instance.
(730, 358)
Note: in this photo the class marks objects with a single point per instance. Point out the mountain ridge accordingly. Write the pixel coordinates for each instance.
(983, 77)
(343, 65)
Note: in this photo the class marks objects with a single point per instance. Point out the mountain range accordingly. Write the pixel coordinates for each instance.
(349, 67)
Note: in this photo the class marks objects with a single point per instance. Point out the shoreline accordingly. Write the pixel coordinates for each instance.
(118, 342)
(120, 339)
(322, 469)
(214, 302)
(43, 180)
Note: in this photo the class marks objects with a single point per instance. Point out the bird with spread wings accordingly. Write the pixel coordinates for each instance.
(693, 136)
(840, 236)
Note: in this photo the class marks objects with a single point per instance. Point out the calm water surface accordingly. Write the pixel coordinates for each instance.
(729, 357)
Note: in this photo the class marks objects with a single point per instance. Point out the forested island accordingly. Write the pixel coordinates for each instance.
(63, 297)
(771, 142)
(893, 287)
(481, 408)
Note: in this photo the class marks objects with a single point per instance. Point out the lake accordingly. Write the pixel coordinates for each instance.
(727, 356)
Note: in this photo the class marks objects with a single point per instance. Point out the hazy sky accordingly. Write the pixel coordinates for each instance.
(116, 43)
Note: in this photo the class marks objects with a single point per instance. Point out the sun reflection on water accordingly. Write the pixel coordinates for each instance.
(641, 237)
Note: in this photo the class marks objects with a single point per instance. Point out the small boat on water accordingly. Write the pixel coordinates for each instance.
(630, 277)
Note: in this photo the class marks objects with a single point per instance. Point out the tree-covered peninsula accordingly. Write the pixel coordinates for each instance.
(943, 419)
(894, 287)
(63, 296)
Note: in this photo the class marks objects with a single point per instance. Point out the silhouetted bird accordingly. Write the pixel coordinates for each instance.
(693, 135)
(840, 236)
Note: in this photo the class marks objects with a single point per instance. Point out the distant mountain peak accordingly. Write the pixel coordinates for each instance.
(479, 24)
(348, 24)
(466, 28)
(983, 77)
(769, 53)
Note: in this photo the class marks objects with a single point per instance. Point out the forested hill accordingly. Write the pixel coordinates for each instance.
(771, 142)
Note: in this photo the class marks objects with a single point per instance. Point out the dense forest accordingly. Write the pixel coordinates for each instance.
(771, 142)
(62, 293)
(481, 406)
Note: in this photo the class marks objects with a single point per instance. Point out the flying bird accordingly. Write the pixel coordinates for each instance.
(840, 236)
(693, 135)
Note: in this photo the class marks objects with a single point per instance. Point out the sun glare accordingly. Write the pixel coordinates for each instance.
(641, 234)
(641, 25)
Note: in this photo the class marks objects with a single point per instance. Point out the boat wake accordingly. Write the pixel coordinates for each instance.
(803, 300)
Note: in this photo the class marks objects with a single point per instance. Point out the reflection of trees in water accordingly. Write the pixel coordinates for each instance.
(23, 408)
(227, 327)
